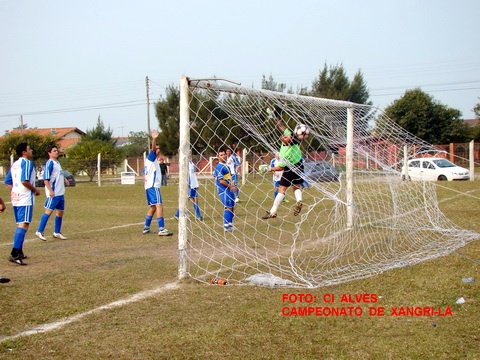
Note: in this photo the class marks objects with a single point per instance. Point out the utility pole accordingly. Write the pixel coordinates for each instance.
(121, 127)
(148, 112)
(21, 124)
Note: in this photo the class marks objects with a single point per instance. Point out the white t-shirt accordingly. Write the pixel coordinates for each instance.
(21, 170)
(233, 162)
(151, 171)
(53, 173)
(277, 175)
(192, 176)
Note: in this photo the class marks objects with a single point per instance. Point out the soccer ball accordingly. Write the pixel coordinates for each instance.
(301, 131)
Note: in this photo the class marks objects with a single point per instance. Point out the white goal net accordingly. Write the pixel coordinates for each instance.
(367, 222)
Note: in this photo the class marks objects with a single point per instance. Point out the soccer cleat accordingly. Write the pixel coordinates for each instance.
(4, 280)
(59, 236)
(23, 256)
(297, 208)
(175, 217)
(164, 232)
(286, 201)
(200, 218)
(269, 216)
(146, 230)
(237, 200)
(16, 260)
(40, 236)
(228, 229)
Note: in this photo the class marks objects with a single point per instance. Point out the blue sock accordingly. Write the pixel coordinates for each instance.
(229, 217)
(225, 218)
(197, 210)
(177, 213)
(148, 220)
(43, 222)
(19, 238)
(58, 224)
(275, 194)
(161, 223)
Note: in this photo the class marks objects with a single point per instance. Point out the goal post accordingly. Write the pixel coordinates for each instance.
(349, 168)
(358, 219)
(184, 155)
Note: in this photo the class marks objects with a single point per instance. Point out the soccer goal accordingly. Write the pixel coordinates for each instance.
(366, 221)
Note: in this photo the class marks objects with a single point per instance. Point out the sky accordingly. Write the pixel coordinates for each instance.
(67, 63)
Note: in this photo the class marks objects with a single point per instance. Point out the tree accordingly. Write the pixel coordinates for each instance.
(168, 115)
(138, 144)
(272, 85)
(476, 110)
(83, 156)
(22, 127)
(100, 133)
(423, 116)
(333, 83)
(475, 131)
(358, 91)
(220, 128)
(38, 143)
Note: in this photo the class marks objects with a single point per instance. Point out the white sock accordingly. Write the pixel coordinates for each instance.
(276, 203)
(298, 195)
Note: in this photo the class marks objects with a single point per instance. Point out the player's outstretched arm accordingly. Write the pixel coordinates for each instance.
(276, 120)
(154, 139)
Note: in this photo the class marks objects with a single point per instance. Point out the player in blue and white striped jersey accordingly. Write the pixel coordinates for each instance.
(153, 178)
(21, 182)
(55, 192)
(193, 186)
(233, 162)
(277, 175)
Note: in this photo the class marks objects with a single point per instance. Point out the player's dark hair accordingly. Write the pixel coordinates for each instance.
(21, 148)
(50, 148)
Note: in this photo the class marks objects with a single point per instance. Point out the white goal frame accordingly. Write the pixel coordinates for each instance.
(357, 229)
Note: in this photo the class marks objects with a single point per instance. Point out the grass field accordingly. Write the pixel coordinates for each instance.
(109, 292)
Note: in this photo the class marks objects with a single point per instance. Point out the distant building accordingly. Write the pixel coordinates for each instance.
(122, 141)
(66, 137)
(472, 122)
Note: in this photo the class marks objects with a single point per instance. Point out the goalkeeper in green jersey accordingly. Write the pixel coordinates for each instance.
(292, 166)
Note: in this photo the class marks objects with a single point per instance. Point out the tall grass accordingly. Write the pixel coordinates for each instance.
(107, 259)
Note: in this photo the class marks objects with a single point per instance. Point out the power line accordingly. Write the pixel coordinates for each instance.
(84, 108)
(428, 85)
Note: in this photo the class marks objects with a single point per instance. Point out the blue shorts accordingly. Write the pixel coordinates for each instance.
(193, 193)
(23, 214)
(227, 198)
(154, 197)
(55, 203)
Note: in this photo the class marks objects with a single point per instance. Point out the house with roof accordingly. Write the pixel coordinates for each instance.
(122, 141)
(472, 122)
(66, 136)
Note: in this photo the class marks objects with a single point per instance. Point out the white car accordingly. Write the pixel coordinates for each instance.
(433, 169)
